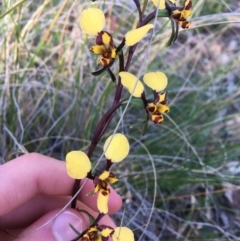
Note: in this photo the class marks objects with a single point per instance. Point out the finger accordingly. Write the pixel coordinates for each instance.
(56, 230)
(32, 210)
(114, 203)
(35, 208)
(33, 173)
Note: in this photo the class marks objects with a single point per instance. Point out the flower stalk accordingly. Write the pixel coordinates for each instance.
(116, 147)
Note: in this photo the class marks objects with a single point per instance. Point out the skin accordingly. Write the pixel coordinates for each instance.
(33, 188)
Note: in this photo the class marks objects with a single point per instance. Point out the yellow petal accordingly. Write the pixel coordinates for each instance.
(184, 24)
(112, 180)
(92, 21)
(151, 107)
(134, 36)
(118, 149)
(93, 229)
(108, 176)
(106, 232)
(157, 119)
(163, 108)
(187, 4)
(113, 53)
(106, 38)
(78, 164)
(98, 49)
(97, 188)
(159, 3)
(123, 234)
(129, 81)
(156, 80)
(162, 97)
(104, 175)
(176, 14)
(104, 61)
(102, 203)
(186, 13)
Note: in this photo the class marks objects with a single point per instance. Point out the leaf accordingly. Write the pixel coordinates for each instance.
(145, 126)
(100, 71)
(91, 218)
(74, 229)
(174, 34)
(113, 78)
(12, 8)
(162, 13)
(137, 124)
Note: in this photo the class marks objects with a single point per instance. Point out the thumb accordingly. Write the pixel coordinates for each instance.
(56, 230)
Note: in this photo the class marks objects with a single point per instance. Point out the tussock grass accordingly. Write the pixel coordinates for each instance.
(189, 165)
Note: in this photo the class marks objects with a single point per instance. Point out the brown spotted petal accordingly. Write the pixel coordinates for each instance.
(151, 107)
(157, 119)
(180, 14)
(188, 4)
(163, 108)
(176, 14)
(92, 234)
(105, 47)
(161, 98)
(155, 110)
(104, 38)
(184, 24)
(100, 185)
(104, 61)
(112, 178)
(102, 200)
(106, 231)
(103, 190)
(98, 49)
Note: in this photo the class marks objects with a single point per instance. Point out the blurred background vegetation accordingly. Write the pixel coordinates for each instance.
(181, 180)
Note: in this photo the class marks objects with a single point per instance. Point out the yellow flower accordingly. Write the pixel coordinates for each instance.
(103, 188)
(180, 14)
(157, 81)
(134, 36)
(103, 232)
(183, 12)
(116, 147)
(92, 21)
(105, 47)
(92, 234)
(156, 108)
(78, 164)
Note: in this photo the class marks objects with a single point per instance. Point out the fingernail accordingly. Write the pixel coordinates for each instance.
(61, 229)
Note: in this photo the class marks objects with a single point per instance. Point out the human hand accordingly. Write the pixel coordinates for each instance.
(33, 188)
